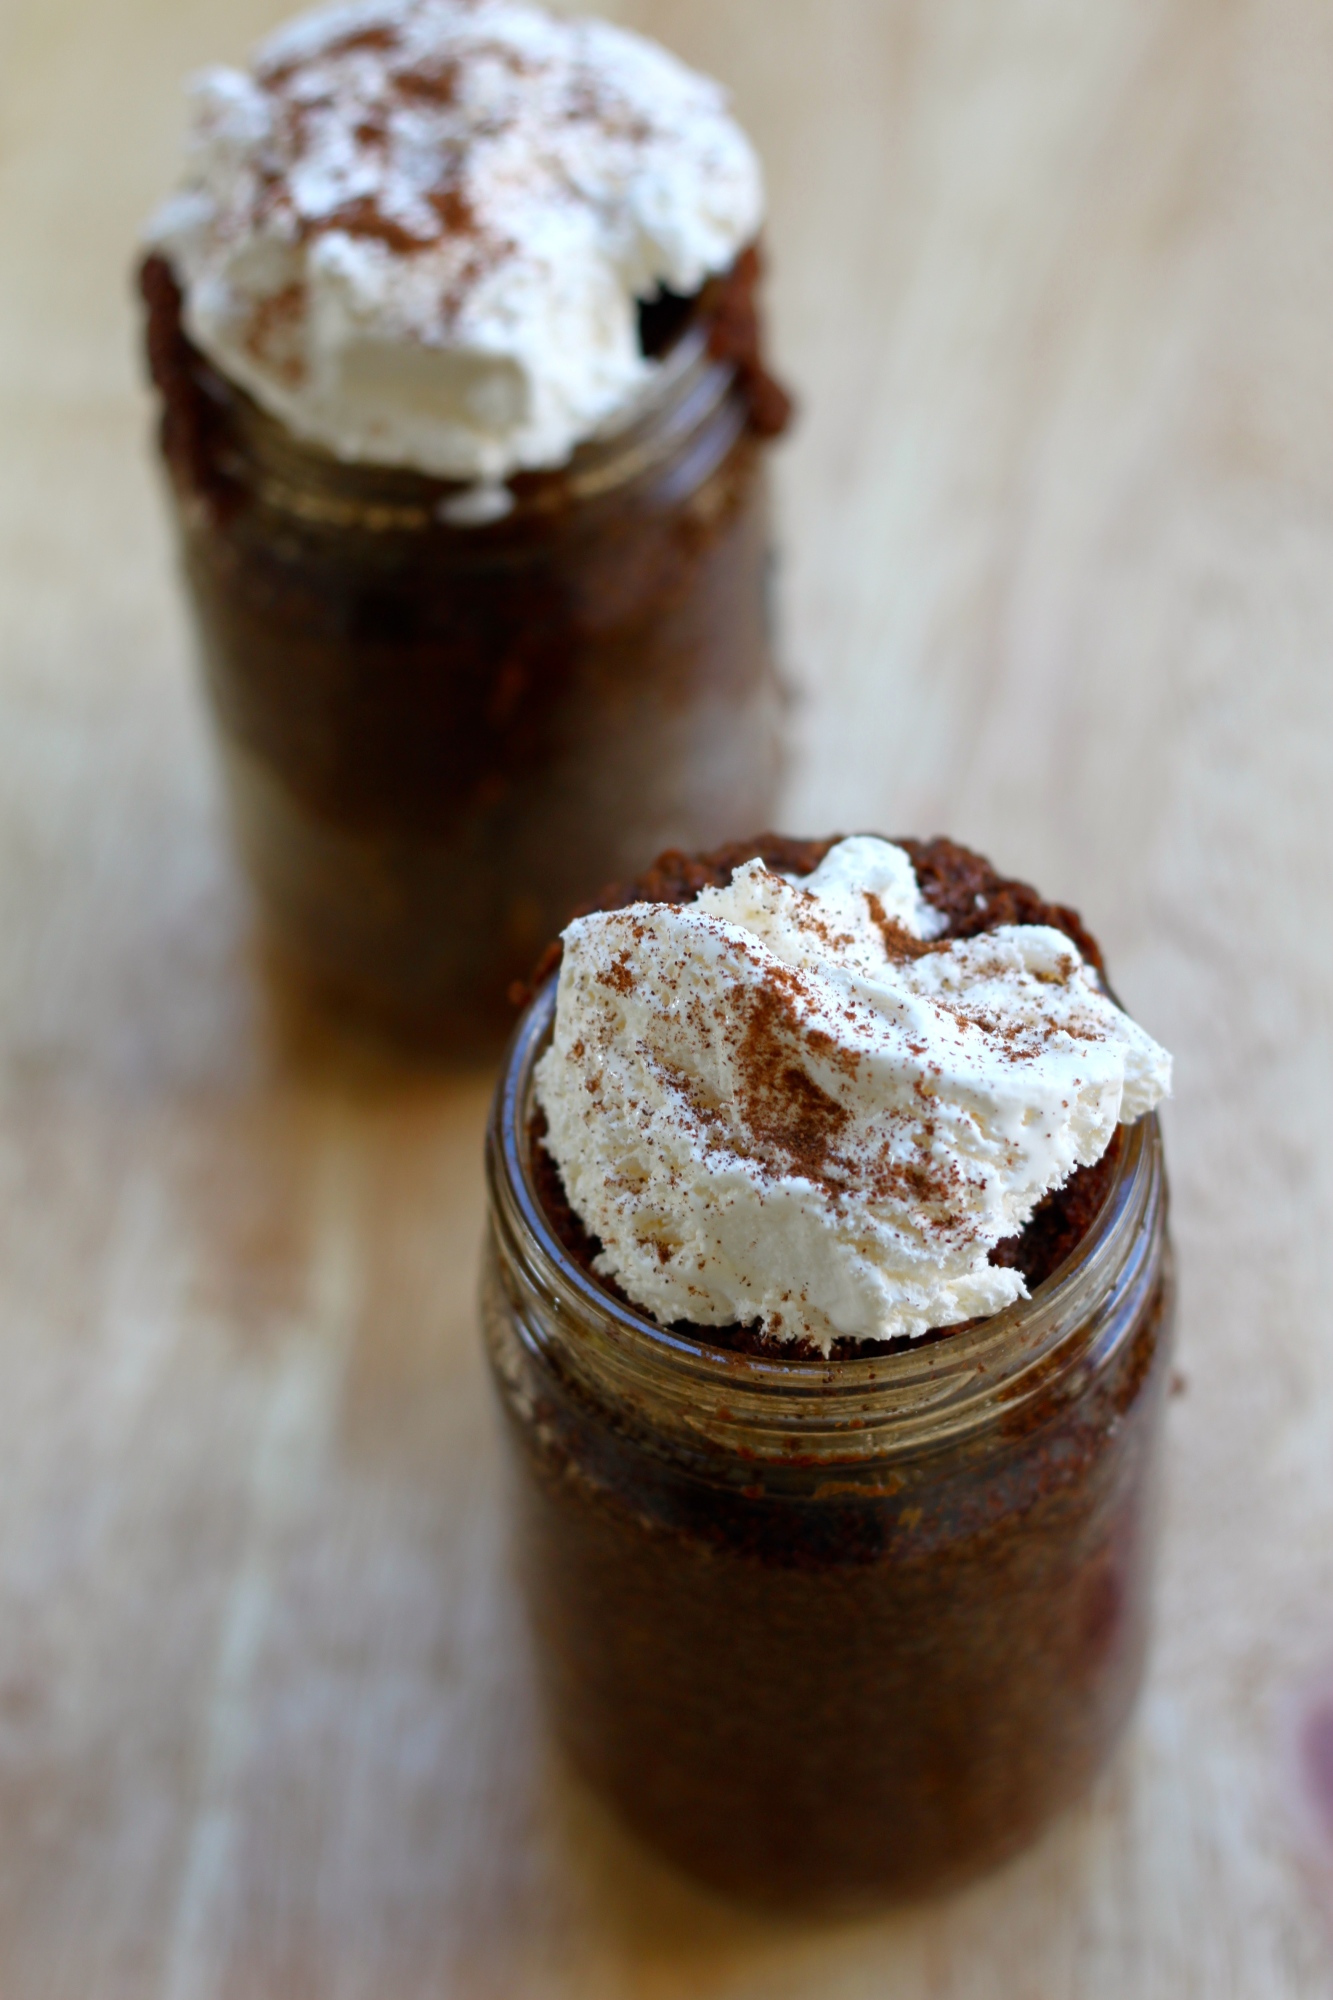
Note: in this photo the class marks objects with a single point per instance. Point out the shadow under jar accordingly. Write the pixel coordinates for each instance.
(440, 731)
(831, 1634)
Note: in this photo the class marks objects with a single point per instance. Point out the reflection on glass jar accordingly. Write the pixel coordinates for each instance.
(449, 714)
(834, 1633)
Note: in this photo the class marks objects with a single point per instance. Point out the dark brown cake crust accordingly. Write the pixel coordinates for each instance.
(193, 423)
(974, 897)
(960, 884)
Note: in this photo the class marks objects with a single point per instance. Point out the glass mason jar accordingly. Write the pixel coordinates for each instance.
(833, 1633)
(448, 715)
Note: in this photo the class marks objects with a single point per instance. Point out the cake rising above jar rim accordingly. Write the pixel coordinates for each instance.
(793, 1103)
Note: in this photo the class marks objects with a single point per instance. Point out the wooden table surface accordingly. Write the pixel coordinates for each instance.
(1055, 279)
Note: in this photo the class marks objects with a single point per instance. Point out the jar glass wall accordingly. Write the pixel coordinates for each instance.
(444, 724)
(829, 1634)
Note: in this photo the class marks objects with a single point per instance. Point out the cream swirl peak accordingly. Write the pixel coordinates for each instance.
(418, 232)
(793, 1103)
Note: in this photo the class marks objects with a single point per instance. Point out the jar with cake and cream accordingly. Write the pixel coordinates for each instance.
(455, 327)
(829, 1301)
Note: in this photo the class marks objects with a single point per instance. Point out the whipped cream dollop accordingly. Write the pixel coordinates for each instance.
(418, 232)
(794, 1103)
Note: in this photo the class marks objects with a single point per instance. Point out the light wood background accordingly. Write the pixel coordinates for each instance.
(1055, 280)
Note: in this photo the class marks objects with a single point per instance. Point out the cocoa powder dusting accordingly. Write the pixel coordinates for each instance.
(899, 944)
(366, 217)
(270, 332)
(428, 83)
(786, 1109)
(378, 40)
(381, 40)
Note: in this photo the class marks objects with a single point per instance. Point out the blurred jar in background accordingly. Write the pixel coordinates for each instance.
(471, 649)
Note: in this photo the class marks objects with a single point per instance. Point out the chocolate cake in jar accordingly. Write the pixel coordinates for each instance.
(830, 1304)
(455, 327)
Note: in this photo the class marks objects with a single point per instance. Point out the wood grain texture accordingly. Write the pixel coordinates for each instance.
(1055, 281)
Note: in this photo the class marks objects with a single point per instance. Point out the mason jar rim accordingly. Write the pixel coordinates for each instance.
(935, 1392)
(297, 476)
